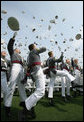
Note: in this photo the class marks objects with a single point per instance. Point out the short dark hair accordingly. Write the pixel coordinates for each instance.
(31, 47)
(50, 53)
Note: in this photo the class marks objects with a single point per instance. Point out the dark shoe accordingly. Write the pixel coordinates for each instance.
(26, 112)
(64, 99)
(51, 102)
(33, 114)
(29, 113)
(69, 97)
(7, 112)
(74, 94)
(22, 104)
(80, 93)
(1, 99)
(74, 85)
(21, 116)
(46, 94)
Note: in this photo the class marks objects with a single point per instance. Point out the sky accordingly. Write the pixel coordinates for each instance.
(44, 11)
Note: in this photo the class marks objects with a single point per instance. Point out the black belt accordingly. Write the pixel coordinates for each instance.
(3, 70)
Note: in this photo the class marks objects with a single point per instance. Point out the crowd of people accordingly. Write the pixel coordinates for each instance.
(17, 72)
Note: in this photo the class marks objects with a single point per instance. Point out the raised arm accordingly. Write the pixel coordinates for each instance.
(41, 50)
(10, 46)
(11, 43)
(59, 59)
(72, 62)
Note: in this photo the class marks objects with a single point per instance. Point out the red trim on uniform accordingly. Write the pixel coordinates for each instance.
(28, 74)
(66, 69)
(51, 67)
(36, 63)
(3, 70)
(20, 62)
(77, 68)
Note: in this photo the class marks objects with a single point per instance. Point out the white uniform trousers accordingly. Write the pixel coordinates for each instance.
(1, 94)
(4, 87)
(65, 86)
(53, 78)
(51, 86)
(40, 89)
(65, 83)
(17, 74)
(78, 79)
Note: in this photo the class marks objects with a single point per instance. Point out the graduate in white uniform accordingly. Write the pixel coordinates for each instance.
(77, 75)
(36, 72)
(16, 76)
(65, 83)
(4, 69)
(53, 73)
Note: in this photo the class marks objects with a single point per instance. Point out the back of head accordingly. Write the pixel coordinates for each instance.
(76, 61)
(67, 61)
(50, 54)
(17, 50)
(31, 47)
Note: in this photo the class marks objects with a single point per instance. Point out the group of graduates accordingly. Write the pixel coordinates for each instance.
(68, 71)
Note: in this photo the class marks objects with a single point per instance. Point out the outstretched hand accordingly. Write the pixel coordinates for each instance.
(14, 35)
(62, 55)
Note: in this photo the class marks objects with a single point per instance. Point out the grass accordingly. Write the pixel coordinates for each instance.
(70, 111)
